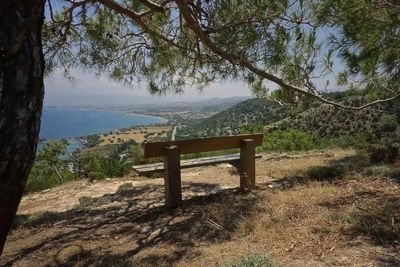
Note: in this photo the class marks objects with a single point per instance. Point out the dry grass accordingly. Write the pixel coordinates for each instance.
(351, 220)
(137, 134)
(278, 166)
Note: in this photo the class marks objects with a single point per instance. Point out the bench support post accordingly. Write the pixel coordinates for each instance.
(247, 164)
(172, 168)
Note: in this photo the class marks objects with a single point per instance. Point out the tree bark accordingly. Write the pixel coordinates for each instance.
(59, 175)
(21, 100)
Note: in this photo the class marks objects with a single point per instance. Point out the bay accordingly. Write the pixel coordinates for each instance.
(58, 123)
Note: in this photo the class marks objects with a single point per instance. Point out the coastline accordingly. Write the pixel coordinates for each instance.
(78, 141)
(144, 115)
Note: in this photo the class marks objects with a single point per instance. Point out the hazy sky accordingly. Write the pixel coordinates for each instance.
(91, 89)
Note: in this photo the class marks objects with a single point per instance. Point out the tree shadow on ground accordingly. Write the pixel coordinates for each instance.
(376, 216)
(374, 209)
(132, 228)
(333, 171)
(375, 220)
(113, 229)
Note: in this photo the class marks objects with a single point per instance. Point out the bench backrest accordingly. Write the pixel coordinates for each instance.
(200, 145)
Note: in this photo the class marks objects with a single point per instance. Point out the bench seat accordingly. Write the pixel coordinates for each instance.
(158, 167)
(171, 151)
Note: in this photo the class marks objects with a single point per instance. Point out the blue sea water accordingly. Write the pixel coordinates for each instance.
(60, 123)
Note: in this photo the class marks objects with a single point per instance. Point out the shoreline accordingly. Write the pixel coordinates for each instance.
(81, 138)
(79, 143)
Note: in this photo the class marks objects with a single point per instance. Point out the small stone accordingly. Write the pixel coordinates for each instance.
(145, 229)
(154, 234)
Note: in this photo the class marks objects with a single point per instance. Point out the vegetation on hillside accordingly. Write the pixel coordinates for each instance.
(54, 166)
(231, 121)
(375, 125)
(49, 169)
(317, 126)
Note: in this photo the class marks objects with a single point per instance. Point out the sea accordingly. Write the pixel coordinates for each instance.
(71, 123)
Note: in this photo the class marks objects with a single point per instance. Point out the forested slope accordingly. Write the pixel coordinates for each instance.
(231, 121)
(371, 125)
(376, 122)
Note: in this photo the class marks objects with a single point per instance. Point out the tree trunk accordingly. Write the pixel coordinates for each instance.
(21, 100)
(59, 175)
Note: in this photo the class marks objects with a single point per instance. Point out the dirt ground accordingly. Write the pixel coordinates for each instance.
(348, 221)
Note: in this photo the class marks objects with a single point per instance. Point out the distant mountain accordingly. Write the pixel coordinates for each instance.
(221, 103)
(136, 101)
(218, 101)
(232, 120)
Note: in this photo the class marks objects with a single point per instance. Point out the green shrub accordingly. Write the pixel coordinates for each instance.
(92, 140)
(113, 167)
(39, 180)
(125, 146)
(48, 161)
(253, 260)
(253, 128)
(378, 170)
(358, 140)
(383, 171)
(388, 123)
(36, 182)
(136, 153)
(290, 140)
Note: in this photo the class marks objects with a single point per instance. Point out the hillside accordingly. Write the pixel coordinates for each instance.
(372, 124)
(232, 120)
(376, 124)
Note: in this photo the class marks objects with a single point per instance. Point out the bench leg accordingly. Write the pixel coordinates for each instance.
(248, 164)
(172, 178)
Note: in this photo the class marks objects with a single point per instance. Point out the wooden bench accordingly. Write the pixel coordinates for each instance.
(172, 165)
